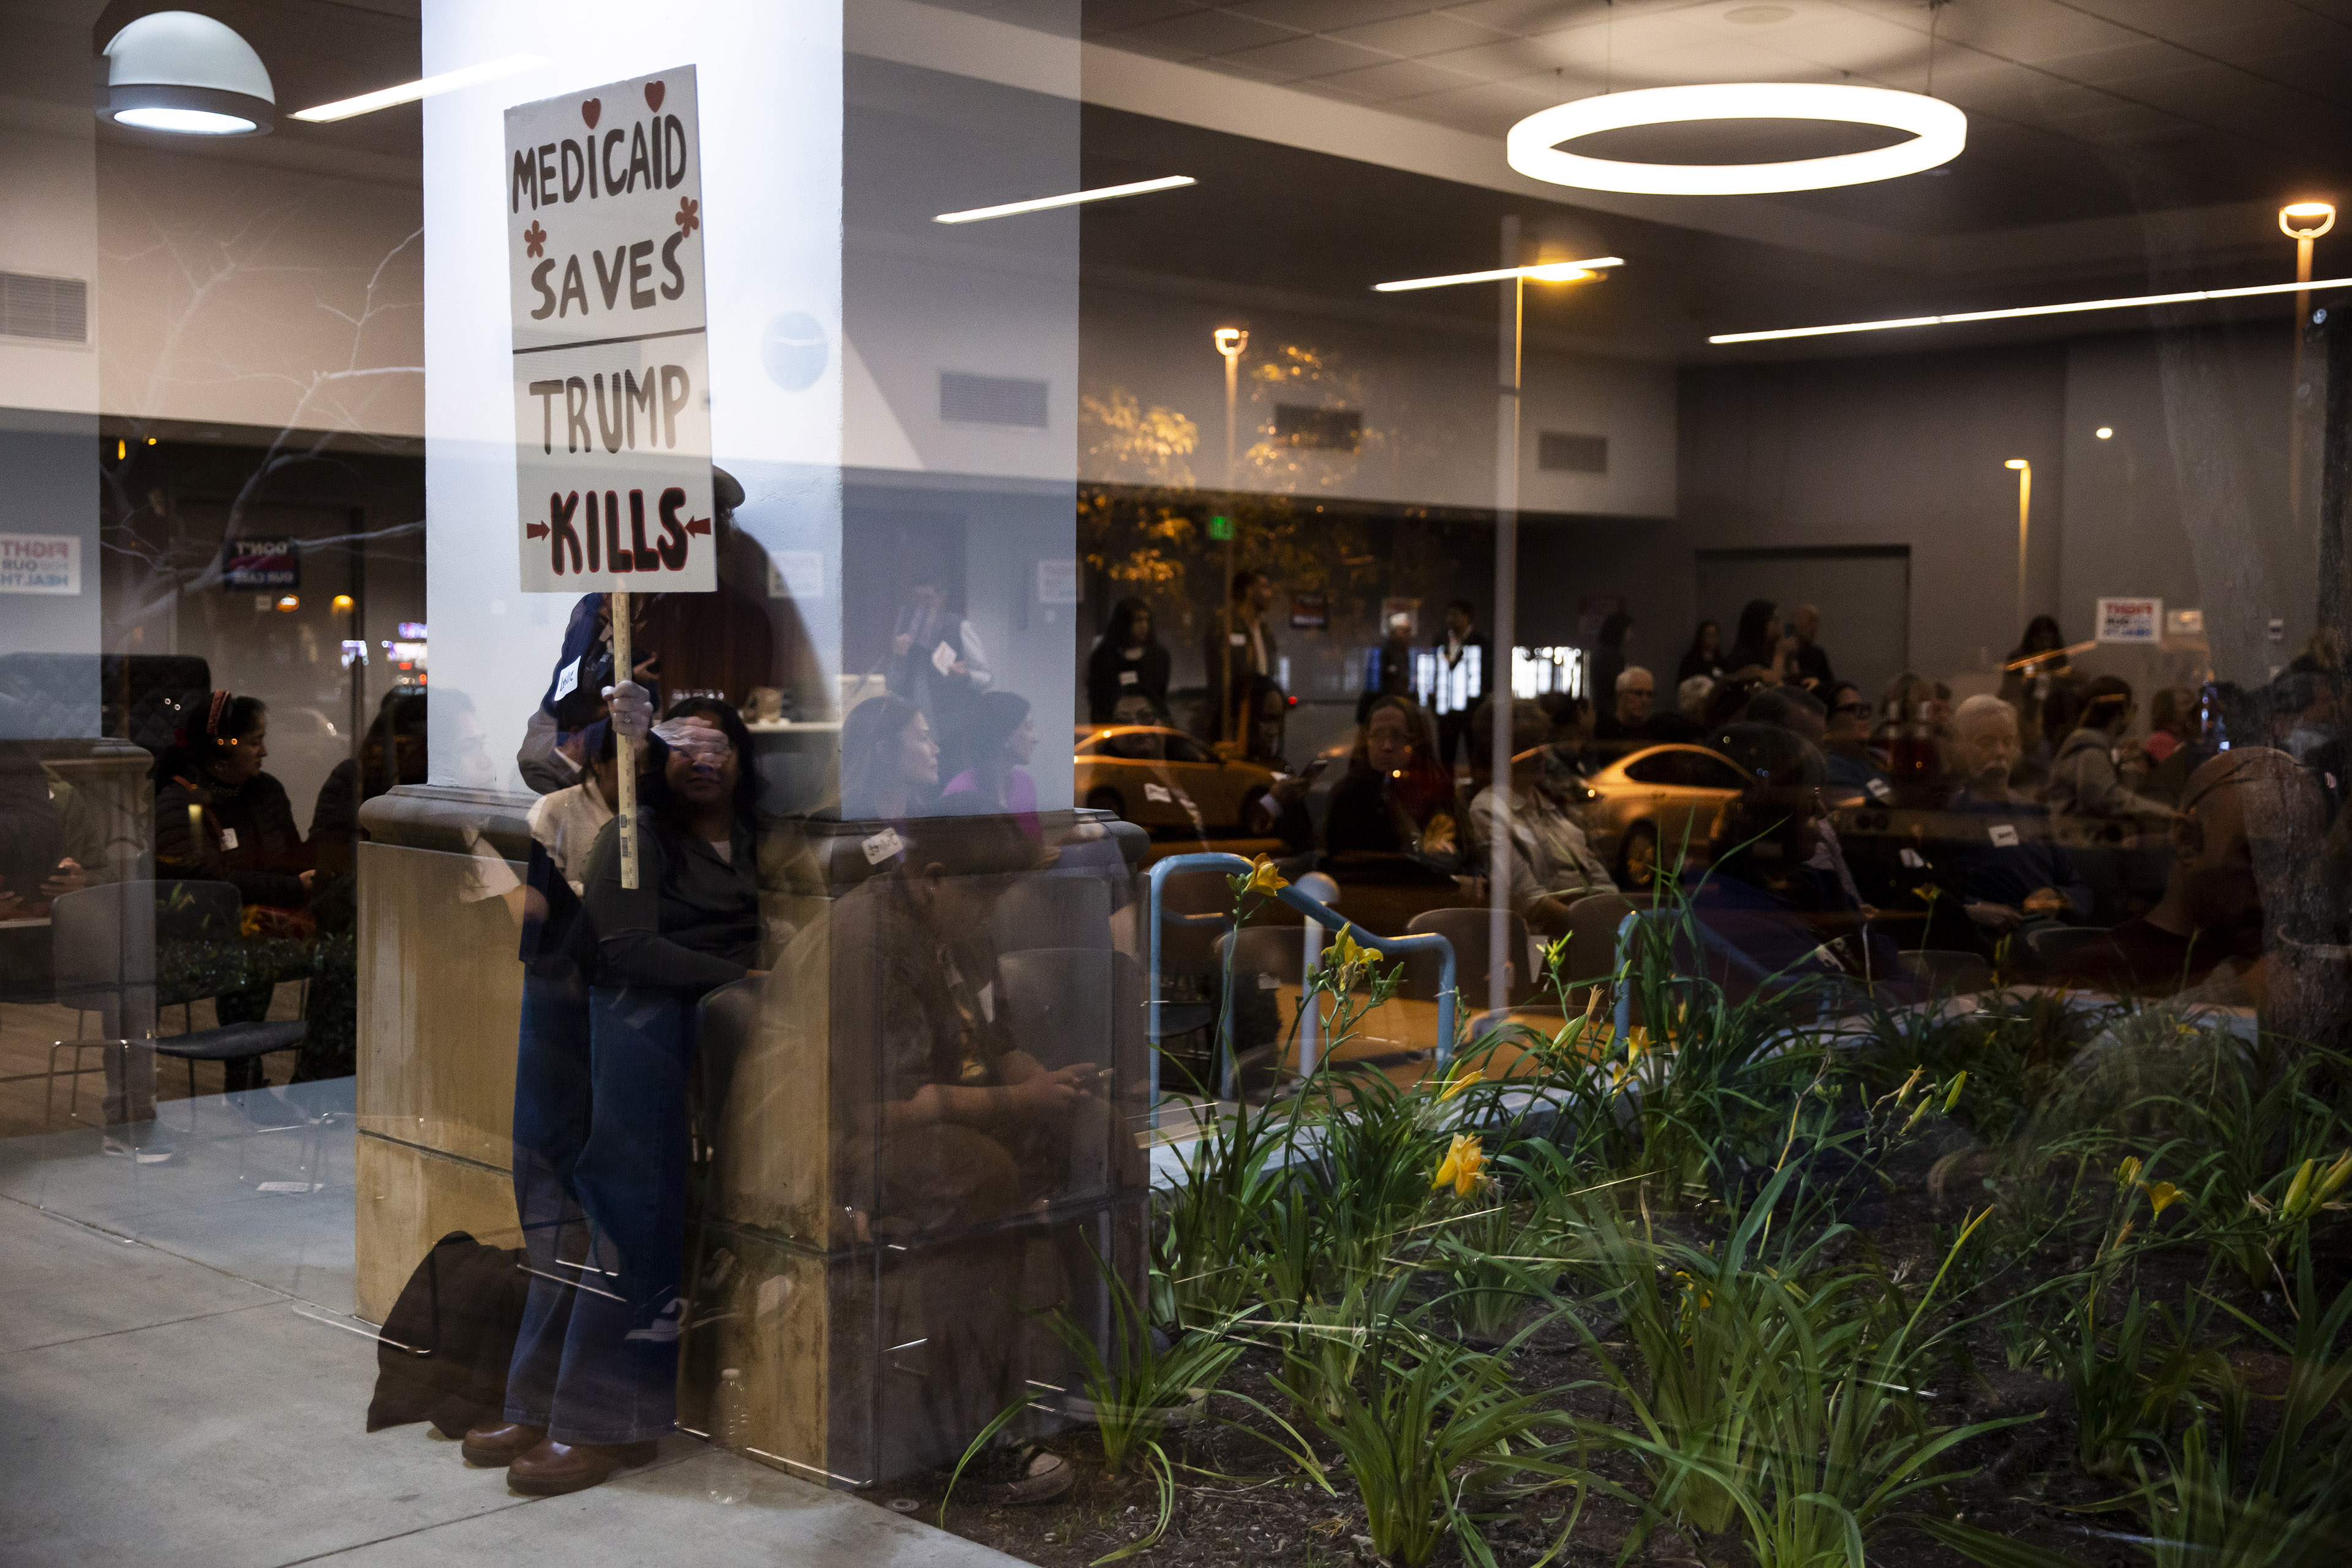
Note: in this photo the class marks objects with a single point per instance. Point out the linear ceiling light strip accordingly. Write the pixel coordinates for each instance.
(426, 87)
(2189, 297)
(1043, 203)
(1542, 272)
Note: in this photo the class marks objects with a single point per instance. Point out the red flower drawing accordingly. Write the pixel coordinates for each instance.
(688, 218)
(534, 240)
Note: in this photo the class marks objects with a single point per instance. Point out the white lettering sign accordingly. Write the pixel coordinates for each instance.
(603, 192)
(40, 563)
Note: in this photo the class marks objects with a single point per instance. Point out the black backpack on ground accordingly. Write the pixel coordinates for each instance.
(443, 1353)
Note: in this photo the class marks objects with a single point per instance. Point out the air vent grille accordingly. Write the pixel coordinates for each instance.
(1318, 429)
(992, 400)
(1563, 452)
(54, 309)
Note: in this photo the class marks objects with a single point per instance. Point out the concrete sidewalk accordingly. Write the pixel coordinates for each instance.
(181, 1382)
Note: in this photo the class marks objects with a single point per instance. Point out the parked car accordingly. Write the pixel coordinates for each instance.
(1660, 801)
(1166, 781)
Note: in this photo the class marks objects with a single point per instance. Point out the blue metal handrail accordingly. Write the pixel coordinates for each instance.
(1314, 908)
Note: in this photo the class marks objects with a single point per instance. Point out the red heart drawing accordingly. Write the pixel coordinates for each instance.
(590, 108)
(654, 95)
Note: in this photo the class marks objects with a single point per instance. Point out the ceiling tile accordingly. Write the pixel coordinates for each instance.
(1413, 36)
(1325, 16)
(1500, 62)
(1525, 17)
(2326, 73)
(1203, 33)
(2139, 57)
(2029, 29)
(1309, 57)
(1398, 78)
(1490, 107)
(1098, 16)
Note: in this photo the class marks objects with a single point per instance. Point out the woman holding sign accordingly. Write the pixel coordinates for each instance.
(594, 1376)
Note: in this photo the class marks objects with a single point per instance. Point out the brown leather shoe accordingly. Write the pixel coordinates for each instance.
(501, 1443)
(554, 1469)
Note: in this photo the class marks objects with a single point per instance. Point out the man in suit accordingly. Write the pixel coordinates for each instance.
(1238, 657)
(1466, 669)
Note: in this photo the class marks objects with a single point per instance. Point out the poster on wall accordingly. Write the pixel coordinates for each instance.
(258, 565)
(603, 192)
(40, 563)
(2129, 620)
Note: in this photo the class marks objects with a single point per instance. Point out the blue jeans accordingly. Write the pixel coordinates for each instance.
(600, 1182)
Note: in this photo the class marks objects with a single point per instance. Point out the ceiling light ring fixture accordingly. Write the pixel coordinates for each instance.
(1938, 134)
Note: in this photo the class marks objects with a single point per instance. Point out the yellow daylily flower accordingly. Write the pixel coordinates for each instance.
(1460, 1081)
(2332, 1181)
(1461, 1167)
(1264, 878)
(2162, 1195)
(2127, 1171)
(1636, 1044)
(1902, 1095)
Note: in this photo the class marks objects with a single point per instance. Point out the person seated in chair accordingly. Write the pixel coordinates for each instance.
(961, 1127)
(2003, 867)
(1766, 895)
(2248, 838)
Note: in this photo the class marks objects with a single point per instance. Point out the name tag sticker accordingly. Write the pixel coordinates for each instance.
(228, 838)
(943, 658)
(1236, 639)
(567, 680)
(2004, 836)
(1128, 678)
(1912, 858)
(1159, 792)
(1268, 983)
(1879, 789)
(883, 845)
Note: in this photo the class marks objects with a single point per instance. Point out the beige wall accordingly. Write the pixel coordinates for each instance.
(248, 294)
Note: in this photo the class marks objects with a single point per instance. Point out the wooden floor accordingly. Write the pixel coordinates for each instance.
(27, 1030)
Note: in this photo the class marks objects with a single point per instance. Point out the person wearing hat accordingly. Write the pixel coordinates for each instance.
(1000, 738)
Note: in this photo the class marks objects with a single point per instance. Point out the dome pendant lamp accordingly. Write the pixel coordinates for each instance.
(185, 75)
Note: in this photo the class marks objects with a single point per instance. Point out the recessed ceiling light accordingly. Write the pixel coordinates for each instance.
(1938, 134)
(2105, 432)
(185, 75)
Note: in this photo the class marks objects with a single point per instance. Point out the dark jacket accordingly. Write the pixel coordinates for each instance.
(692, 923)
(1111, 675)
(2003, 867)
(242, 834)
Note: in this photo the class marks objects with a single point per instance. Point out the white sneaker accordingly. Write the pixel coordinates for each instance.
(145, 1151)
(665, 1327)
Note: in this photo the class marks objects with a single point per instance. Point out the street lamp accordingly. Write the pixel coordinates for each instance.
(1230, 342)
(2024, 511)
(1514, 275)
(2303, 222)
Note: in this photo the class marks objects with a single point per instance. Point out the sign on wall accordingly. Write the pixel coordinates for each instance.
(253, 565)
(40, 563)
(2130, 620)
(604, 192)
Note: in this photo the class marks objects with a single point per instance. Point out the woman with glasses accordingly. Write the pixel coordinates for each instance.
(1854, 768)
